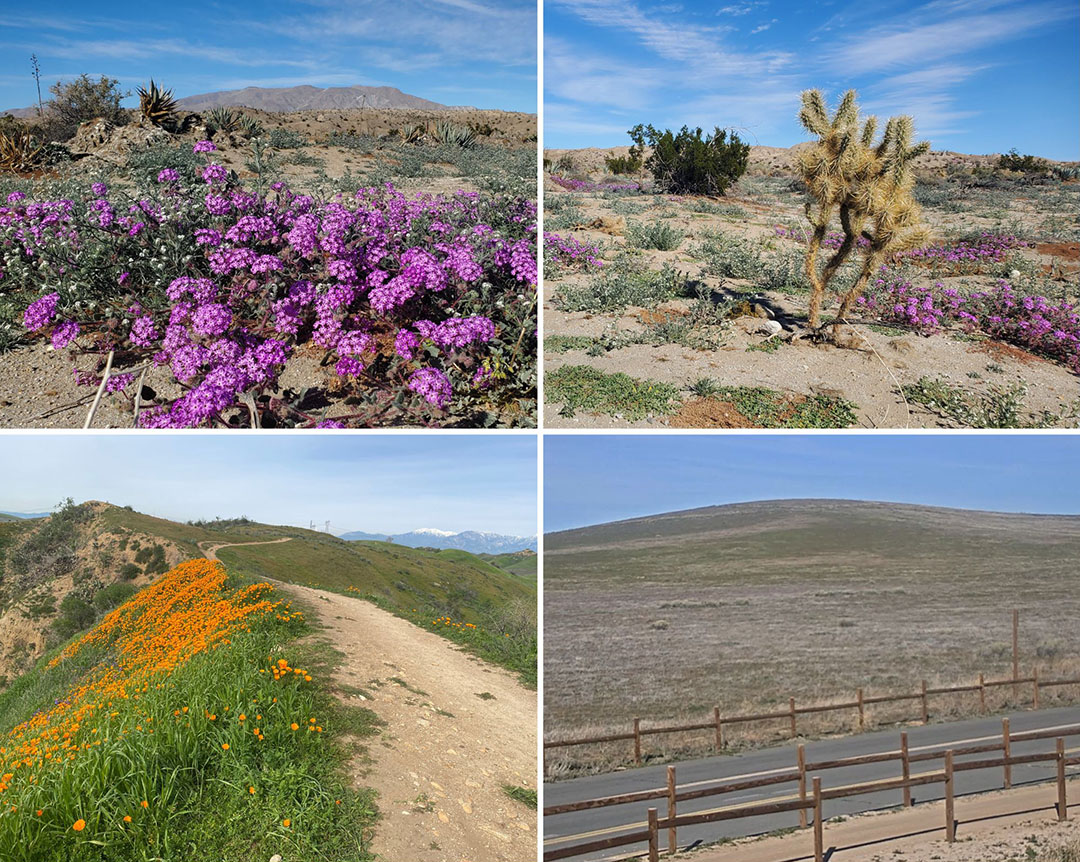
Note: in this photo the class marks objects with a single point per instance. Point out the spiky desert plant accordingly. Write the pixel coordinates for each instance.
(223, 119)
(19, 151)
(454, 135)
(157, 105)
(415, 135)
(869, 185)
(249, 126)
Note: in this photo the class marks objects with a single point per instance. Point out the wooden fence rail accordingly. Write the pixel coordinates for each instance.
(791, 714)
(812, 802)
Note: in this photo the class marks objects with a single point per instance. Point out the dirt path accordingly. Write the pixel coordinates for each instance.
(210, 551)
(993, 827)
(457, 730)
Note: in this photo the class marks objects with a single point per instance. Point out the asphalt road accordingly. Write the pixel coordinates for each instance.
(597, 823)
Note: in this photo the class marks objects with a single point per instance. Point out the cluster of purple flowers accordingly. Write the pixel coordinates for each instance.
(267, 273)
(968, 255)
(568, 250)
(1033, 322)
(585, 186)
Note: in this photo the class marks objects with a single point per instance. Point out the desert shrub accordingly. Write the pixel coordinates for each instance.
(657, 235)
(364, 143)
(629, 164)
(43, 605)
(564, 214)
(564, 164)
(146, 164)
(727, 256)
(686, 163)
(784, 272)
(286, 139)
(622, 283)
(50, 549)
(83, 99)
(1013, 161)
(998, 407)
(109, 597)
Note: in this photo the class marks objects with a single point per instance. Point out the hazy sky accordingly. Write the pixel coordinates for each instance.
(596, 479)
(368, 482)
(978, 76)
(458, 52)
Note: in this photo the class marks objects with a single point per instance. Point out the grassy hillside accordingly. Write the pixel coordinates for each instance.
(744, 606)
(523, 565)
(188, 724)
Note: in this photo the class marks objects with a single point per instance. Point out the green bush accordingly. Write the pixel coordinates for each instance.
(286, 139)
(629, 164)
(76, 615)
(82, 99)
(686, 163)
(660, 236)
(130, 571)
(1013, 161)
(114, 594)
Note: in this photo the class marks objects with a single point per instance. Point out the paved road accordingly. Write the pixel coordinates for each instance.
(604, 822)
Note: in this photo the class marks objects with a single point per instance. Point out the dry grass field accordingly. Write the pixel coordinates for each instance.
(744, 606)
(697, 299)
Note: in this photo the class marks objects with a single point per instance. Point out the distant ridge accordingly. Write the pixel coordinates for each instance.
(307, 98)
(470, 540)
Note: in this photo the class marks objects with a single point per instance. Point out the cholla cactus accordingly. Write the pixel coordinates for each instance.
(868, 185)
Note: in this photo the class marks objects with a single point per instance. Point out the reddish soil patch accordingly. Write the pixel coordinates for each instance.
(998, 350)
(1064, 250)
(709, 413)
(652, 316)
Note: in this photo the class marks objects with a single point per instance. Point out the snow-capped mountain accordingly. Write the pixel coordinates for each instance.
(473, 541)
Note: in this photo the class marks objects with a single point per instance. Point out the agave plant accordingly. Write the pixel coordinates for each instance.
(223, 119)
(415, 135)
(249, 126)
(19, 151)
(156, 105)
(454, 135)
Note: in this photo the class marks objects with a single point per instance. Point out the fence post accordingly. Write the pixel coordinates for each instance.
(1062, 806)
(1006, 747)
(862, 709)
(982, 693)
(654, 842)
(925, 708)
(791, 706)
(1035, 689)
(905, 765)
(801, 755)
(719, 729)
(672, 845)
(637, 741)
(819, 829)
(950, 820)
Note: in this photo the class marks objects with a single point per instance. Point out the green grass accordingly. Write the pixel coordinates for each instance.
(163, 748)
(566, 343)
(522, 565)
(579, 387)
(768, 408)
(525, 795)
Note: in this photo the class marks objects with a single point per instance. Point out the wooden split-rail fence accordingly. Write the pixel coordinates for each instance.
(719, 722)
(812, 794)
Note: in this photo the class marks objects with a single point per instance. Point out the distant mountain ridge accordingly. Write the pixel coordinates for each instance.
(307, 98)
(473, 541)
(25, 515)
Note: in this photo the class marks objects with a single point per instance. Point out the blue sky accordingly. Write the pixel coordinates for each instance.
(369, 482)
(457, 52)
(978, 76)
(598, 478)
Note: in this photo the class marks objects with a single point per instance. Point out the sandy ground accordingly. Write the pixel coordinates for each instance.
(441, 761)
(1008, 826)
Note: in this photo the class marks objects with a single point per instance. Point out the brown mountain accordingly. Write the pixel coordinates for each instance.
(309, 98)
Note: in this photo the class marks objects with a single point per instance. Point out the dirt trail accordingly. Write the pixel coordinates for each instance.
(992, 827)
(457, 730)
(210, 551)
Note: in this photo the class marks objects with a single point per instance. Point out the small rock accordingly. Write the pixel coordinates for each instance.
(443, 817)
(275, 858)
